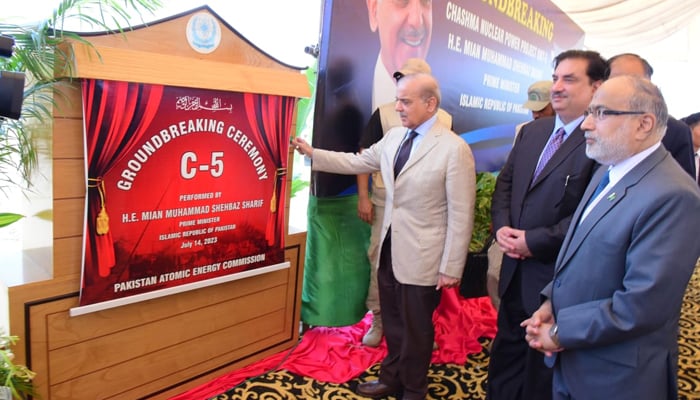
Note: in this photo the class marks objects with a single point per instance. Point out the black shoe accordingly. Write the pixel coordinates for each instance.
(375, 389)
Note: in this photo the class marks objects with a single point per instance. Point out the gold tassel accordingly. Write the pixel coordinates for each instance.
(273, 201)
(102, 220)
(102, 226)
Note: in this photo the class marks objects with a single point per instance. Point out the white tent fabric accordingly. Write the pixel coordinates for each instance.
(619, 24)
(665, 32)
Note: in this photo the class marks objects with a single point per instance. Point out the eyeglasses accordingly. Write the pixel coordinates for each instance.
(600, 112)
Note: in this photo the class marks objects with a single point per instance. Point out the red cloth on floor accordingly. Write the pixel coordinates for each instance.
(337, 355)
(458, 324)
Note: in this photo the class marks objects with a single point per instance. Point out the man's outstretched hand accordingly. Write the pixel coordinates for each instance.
(302, 146)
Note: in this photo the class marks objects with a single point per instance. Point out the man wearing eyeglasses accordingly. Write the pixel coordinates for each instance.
(536, 194)
(609, 326)
(678, 139)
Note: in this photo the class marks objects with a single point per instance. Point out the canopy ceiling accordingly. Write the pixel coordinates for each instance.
(615, 26)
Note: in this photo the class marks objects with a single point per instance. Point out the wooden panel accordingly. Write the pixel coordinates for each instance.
(169, 37)
(22, 297)
(164, 346)
(218, 365)
(118, 64)
(152, 370)
(67, 256)
(66, 331)
(296, 251)
(152, 390)
(68, 102)
(70, 132)
(37, 349)
(113, 380)
(68, 217)
(135, 350)
(190, 379)
(69, 181)
(124, 345)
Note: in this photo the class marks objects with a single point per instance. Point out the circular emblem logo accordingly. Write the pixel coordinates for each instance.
(203, 33)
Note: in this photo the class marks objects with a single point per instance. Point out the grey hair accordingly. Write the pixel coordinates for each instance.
(429, 86)
(648, 98)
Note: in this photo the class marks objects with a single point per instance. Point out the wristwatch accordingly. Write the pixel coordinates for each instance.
(554, 334)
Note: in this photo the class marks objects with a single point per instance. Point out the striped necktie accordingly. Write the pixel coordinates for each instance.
(549, 151)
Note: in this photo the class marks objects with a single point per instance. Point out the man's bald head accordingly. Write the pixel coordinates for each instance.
(629, 64)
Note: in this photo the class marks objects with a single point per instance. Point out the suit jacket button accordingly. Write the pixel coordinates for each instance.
(557, 283)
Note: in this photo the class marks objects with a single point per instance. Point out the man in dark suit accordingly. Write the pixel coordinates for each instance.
(532, 205)
(678, 139)
(693, 122)
(426, 229)
(609, 325)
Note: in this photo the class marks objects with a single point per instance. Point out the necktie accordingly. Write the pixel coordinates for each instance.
(601, 185)
(404, 153)
(697, 167)
(549, 151)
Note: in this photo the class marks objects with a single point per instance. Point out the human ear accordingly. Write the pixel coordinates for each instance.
(647, 124)
(372, 13)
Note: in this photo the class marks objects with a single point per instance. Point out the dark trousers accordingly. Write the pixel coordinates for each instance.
(407, 314)
(516, 371)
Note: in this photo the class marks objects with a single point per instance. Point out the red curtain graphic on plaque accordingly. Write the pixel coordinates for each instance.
(183, 185)
(273, 131)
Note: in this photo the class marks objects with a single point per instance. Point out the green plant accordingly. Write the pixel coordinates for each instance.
(38, 54)
(9, 218)
(18, 378)
(485, 185)
(298, 184)
(304, 128)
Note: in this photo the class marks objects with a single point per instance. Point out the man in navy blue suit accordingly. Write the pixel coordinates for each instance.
(609, 326)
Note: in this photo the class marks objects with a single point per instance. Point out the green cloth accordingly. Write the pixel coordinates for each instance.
(336, 267)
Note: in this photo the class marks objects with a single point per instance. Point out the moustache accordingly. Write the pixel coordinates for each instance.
(413, 37)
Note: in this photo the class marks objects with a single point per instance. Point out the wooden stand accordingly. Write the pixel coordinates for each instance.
(161, 347)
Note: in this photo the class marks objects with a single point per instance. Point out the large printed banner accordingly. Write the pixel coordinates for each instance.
(484, 53)
(185, 188)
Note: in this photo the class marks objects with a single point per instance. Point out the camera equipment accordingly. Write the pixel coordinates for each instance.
(11, 93)
(11, 84)
(312, 50)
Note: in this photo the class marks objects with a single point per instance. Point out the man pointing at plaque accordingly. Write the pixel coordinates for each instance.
(429, 176)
